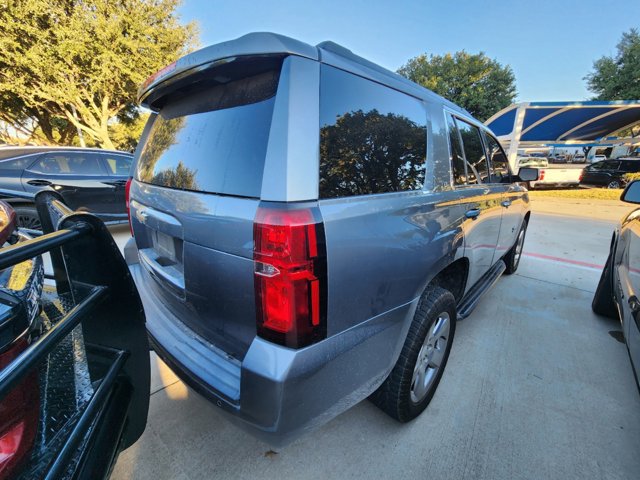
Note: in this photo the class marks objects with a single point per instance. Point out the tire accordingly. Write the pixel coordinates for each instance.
(27, 217)
(402, 396)
(513, 256)
(614, 184)
(602, 302)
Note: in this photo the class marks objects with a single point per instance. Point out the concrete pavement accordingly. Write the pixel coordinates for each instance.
(536, 387)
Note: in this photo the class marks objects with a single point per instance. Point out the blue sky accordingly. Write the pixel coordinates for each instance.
(551, 45)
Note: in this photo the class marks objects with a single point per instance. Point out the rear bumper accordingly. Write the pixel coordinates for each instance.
(277, 392)
(563, 183)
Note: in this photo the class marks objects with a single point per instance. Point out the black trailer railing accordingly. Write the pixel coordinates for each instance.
(91, 358)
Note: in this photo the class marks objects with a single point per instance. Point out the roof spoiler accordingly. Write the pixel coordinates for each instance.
(252, 44)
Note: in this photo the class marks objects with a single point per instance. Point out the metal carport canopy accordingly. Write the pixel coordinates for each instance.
(562, 123)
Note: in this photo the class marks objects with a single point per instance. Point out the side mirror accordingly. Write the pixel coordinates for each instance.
(527, 174)
(631, 193)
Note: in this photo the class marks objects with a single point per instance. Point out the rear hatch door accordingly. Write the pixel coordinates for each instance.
(194, 197)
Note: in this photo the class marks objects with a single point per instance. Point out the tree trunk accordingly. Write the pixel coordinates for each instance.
(44, 122)
(105, 141)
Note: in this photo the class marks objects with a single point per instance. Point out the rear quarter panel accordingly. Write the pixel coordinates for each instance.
(382, 250)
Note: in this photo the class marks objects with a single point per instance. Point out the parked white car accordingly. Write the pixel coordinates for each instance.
(556, 176)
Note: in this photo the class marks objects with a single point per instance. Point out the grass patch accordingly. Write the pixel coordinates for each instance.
(586, 193)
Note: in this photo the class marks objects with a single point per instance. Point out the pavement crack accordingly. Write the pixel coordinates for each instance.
(164, 387)
(554, 283)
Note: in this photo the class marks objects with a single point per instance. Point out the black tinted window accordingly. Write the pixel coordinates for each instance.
(213, 140)
(372, 139)
(76, 163)
(630, 166)
(117, 164)
(457, 159)
(477, 168)
(610, 165)
(17, 164)
(500, 172)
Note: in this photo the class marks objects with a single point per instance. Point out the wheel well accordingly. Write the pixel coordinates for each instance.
(453, 277)
(527, 216)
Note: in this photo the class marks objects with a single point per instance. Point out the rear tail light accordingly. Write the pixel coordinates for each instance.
(19, 414)
(127, 190)
(541, 175)
(290, 276)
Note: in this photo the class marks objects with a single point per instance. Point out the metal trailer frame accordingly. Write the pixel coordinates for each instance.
(92, 279)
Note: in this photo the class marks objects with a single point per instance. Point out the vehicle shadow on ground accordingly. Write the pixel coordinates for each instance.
(531, 391)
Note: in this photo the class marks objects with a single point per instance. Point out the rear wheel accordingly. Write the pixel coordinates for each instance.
(603, 303)
(512, 258)
(414, 379)
(27, 217)
(614, 184)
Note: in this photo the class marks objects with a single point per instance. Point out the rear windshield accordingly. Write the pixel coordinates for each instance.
(214, 139)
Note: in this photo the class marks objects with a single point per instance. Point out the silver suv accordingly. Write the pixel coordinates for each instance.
(309, 226)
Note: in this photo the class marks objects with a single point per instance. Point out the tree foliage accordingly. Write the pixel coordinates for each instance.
(77, 64)
(369, 152)
(477, 83)
(618, 77)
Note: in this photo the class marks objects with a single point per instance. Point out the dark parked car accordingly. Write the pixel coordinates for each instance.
(609, 173)
(309, 227)
(85, 179)
(618, 292)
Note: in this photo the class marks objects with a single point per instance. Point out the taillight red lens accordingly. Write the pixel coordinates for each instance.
(19, 414)
(541, 175)
(127, 190)
(290, 276)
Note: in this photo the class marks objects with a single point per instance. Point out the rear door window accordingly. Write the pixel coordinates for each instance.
(457, 157)
(17, 164)
(69, 163)
(373, 139)
(477, 166)
(630, 166)
(500, 170)
(610, 165)
(118, 165)
(213, 139)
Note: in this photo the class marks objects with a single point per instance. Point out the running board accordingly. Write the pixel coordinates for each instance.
(473, 296)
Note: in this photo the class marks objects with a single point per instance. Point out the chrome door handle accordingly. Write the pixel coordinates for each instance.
(39, 183)
(506, 203)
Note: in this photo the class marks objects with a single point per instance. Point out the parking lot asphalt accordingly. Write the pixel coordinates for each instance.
(537, 387)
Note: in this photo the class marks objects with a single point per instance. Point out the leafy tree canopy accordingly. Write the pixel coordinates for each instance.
(477, 83)
(72, 64)
(370, 152)
(618, 77)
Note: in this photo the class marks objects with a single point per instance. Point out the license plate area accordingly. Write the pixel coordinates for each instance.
(168, 250)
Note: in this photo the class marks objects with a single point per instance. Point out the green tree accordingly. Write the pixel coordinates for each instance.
(368, 152)
(477, 83)
(77, 64)
(618, 77)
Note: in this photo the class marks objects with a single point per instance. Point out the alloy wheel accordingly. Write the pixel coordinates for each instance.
(430, 357)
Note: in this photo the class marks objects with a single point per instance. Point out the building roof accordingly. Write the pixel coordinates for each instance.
(564, 122)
